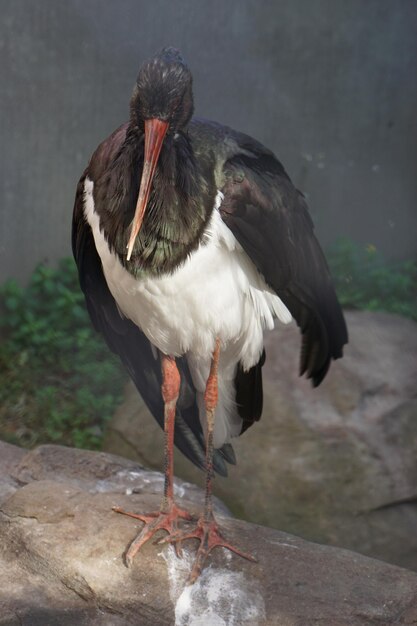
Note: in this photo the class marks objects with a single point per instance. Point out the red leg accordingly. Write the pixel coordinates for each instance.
(207, 530)
(169, 514)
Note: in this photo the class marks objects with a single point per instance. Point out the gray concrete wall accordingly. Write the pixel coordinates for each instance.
(329, 85)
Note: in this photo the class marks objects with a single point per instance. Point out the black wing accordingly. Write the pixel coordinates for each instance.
(135, 351)
(249, 393)
(270, 219)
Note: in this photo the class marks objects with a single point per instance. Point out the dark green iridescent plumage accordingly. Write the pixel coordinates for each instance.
(182, 195)
(177, 213)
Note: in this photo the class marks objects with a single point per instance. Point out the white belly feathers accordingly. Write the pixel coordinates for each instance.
(216, 292)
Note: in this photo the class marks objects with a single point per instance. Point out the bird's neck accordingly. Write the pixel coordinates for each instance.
(178, 210)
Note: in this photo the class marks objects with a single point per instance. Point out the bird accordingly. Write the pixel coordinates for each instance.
(191, 241)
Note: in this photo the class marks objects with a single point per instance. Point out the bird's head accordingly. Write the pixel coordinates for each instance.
(161, 103)
(163, 91)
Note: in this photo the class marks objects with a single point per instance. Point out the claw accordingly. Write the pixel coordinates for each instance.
(207, 532)
(177, 545)
(155, 521)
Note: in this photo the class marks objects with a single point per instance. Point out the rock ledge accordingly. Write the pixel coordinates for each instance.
(61, 561)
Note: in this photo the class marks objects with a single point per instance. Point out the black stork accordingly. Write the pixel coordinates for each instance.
(190, 240)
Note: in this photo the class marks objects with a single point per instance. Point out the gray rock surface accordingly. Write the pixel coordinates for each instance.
(61, 561)
(337, 464)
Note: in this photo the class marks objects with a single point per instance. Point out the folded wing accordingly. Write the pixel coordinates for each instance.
(270, 219)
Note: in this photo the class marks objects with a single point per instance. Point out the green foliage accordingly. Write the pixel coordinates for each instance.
(58, 380)
(364, 280)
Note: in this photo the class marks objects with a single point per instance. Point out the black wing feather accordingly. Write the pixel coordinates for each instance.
(270, 219)
(249, 393)
(126, 340)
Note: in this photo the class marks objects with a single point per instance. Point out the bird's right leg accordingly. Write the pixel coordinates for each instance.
(169, 514)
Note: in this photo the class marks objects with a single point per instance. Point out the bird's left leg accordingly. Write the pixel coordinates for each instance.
(169, 514)
(207, 529)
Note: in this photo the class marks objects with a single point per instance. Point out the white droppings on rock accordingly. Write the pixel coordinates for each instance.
(132, 475)
(285, 545)
(102, 486)
(227, 554)
(179, 490)
(143, 479)
(220, 597)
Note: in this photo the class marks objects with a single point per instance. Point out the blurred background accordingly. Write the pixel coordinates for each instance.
(330, 86)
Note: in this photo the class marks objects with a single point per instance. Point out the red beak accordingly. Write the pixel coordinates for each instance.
(155, 131)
